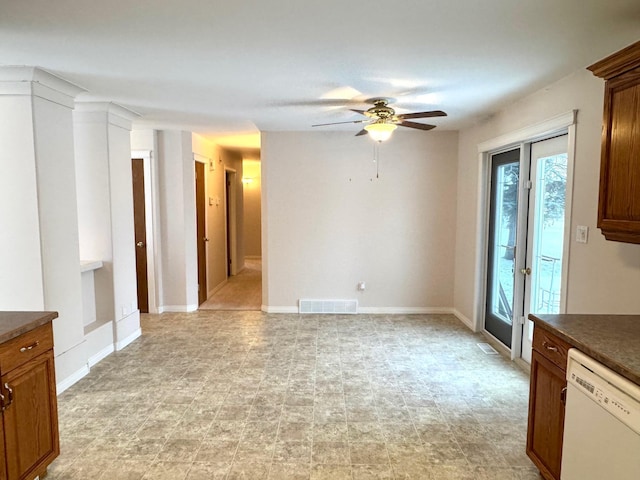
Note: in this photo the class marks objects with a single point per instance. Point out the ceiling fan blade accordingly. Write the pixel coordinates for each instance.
(419, 126)
(339, 123)
(432, 113)
(361, 112)
(361, 132)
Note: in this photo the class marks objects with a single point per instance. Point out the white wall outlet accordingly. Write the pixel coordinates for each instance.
(582, 234)
(362, 286)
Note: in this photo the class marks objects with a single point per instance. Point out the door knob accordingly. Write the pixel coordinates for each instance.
(140, 244)
(525, 271)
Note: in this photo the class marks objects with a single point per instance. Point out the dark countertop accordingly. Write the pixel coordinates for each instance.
(613, 340)
(14, 324)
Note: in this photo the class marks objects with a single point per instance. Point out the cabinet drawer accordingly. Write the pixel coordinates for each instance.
(551, 347)
(21, 349)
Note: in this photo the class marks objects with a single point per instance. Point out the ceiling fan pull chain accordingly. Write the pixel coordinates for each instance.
(376, 158)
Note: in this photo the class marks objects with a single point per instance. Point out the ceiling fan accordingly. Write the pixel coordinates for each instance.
(382, 120)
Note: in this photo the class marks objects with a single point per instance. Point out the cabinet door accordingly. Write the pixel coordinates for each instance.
(3, 462)
(31, 419)
(619, 203)
(546, 416)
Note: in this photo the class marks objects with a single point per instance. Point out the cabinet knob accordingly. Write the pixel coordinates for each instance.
(551, 348)
(30, 347)
(9, 397)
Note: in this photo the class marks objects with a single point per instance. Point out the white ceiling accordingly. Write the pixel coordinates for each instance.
(221, 67)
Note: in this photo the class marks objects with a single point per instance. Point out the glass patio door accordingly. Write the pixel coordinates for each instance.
(502, 251)
(545, 242)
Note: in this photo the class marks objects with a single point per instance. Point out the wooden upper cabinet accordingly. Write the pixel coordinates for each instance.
(619, 201)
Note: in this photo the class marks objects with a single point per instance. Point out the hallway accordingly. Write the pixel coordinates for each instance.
(241, 292)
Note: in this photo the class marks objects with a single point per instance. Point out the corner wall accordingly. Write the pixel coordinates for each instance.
(603, 276)
(329, 223)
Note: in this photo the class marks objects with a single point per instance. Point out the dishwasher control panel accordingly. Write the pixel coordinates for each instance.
(616, 394)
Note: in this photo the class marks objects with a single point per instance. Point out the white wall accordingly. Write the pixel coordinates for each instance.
(603, 276)
(177, 221)
(329, 223)
(39, 252)
(252, 191)
(105, 208)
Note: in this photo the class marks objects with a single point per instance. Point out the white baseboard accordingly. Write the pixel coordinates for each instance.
(101, 355)
(126, 341)
(178, 308)
(72, 379)
(269, 309)
(404, 310)
(377, 310)
(217, 288)
(464, 319)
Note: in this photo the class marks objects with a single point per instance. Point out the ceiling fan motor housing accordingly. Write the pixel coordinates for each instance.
(380, 109)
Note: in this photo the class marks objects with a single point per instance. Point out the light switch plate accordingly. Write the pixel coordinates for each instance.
(582, 234)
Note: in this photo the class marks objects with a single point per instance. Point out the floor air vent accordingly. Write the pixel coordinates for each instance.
(488, 349)
(328, 306)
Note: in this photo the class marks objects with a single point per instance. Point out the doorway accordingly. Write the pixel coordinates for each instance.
(140, 235)
(201, 232)
(230, 220)
(501, 256)
(526, 239)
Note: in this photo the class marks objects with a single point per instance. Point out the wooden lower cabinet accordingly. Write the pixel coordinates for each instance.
(29, 416)
(547, 397)
(3, 460)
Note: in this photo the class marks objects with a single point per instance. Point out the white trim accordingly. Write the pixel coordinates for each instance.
(382, 311)
(568, 209)
(531, 133)
(517, 139)
(217, 288)
(404, 310)
(201, 158)
(204, 160)
(482, 241)
(72, 379)
(464, 319)
(101, 355)
(269, 309)
(179, 308)
(149, 216)
(126, 341)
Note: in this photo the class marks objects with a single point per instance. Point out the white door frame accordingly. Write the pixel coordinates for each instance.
(564, 123)
(150, 214)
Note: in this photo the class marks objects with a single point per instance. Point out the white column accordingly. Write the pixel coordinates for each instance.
(39, 251)
(106, 225)
(177, 212)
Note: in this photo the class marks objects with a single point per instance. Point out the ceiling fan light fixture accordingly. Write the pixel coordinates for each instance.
(380, 131)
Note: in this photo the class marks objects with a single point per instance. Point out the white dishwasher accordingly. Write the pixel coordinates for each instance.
(602, 423)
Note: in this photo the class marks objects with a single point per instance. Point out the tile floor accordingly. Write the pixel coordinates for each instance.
(247, 395)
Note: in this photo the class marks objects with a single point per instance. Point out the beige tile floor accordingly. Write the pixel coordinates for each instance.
(247, 395)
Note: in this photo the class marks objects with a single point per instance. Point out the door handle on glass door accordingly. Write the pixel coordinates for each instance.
(140, 244)
(525, 271)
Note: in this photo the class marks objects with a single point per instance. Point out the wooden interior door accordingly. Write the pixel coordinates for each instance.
(201, 233)
(140, 229)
